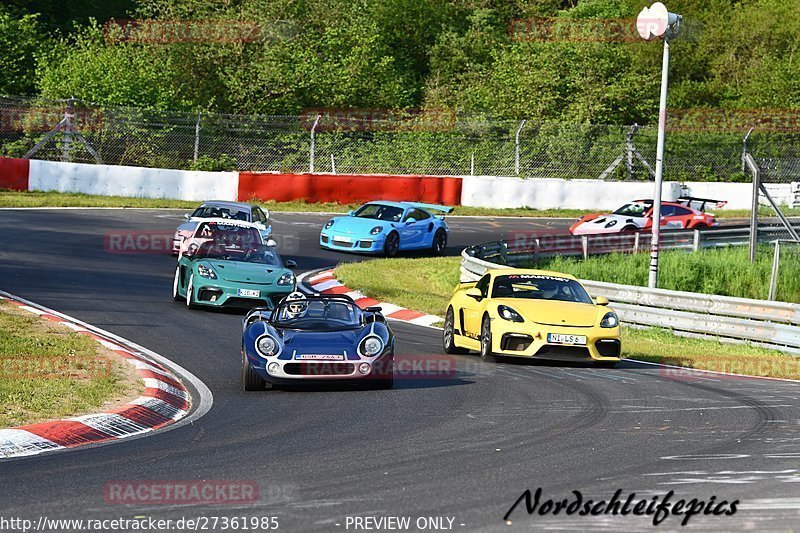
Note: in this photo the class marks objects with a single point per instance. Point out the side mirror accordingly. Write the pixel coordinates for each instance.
(411, 220)
(190, 251)
(187, 216)
(475, 293)
(373, 309)
(351, 213)
(290, 264)
(601, 300)
(271, 242)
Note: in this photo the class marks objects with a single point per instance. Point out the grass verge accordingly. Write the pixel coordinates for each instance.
(48, 371)
(57, 199)
(426, 284)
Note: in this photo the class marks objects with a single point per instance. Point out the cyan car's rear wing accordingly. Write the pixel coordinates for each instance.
(432, 207)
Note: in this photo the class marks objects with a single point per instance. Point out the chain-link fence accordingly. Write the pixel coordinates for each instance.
(351, 141)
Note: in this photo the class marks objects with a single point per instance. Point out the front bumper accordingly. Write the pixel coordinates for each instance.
(295, 371)
(223, 294)
(372, 244)
(602, 344)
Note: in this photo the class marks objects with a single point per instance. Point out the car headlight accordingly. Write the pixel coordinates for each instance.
(610, 320)
(507, 313)
(329, 224)
(266, 346)
(286, 279)
(371, 346)
(376, 230)
(206, 272)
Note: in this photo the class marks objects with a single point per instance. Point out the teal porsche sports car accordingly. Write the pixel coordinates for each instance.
(221, 275)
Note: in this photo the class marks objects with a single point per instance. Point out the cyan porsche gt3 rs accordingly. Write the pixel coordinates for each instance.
(383, 227)
(316, 338)
(222, 274)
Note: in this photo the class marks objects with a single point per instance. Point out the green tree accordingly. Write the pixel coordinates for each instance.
(21, 40)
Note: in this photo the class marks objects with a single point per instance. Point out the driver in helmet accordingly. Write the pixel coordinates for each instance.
(296, 305)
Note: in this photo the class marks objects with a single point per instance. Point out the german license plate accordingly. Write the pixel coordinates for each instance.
(248, 292)
(319, 357)
(558, 338)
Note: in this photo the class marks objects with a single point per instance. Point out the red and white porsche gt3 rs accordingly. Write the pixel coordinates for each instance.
(685, 213)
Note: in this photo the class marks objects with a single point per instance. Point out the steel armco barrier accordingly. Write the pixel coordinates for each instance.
(735, 320)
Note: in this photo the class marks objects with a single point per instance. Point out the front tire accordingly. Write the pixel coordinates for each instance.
(448, 335)
(439, 242)
(392, 245)
(250, 380)
(190, 293)
(486, 340)
(175, 295)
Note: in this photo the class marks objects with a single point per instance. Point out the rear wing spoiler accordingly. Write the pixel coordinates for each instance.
(701, 203)
(432, 207)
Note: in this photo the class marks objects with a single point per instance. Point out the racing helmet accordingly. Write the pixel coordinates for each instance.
(296, 305)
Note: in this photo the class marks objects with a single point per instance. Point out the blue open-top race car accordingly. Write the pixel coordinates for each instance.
(322, 338)
(383, 227)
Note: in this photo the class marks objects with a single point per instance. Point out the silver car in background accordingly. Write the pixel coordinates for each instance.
(220, 209)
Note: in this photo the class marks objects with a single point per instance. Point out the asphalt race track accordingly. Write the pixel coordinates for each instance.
(463, 445)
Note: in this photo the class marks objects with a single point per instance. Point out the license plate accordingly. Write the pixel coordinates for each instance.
(319, 357)
(343, 239)
(248, 292)
(558, 338)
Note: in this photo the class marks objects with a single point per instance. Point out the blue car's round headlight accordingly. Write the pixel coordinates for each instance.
(371, 346)
(376, 230)
(266, 346)
(329, 224)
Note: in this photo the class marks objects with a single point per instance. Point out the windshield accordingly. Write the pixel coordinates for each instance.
(209, 211)
(633, 209)
(380, 212)
(317, 315)
(259, 254)
(223, 234)
(539, 287)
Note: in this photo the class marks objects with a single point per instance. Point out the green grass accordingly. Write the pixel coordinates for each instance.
(57, 199)
(423, 284)
(48, 371)
(724, 271)
(426, 285)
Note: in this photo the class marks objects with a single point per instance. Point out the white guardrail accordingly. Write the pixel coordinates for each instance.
(734, 320)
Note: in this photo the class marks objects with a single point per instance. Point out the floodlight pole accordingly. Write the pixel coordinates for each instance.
(662, 129)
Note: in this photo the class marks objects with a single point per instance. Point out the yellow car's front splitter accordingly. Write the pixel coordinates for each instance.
(557, 343)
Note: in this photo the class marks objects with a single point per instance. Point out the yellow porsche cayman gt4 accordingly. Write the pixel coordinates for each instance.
(531, 313)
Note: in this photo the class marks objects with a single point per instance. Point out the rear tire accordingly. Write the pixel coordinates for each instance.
(250, 380)
(486, 341)
(439, 242)
(448, 335)
(392, 245)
